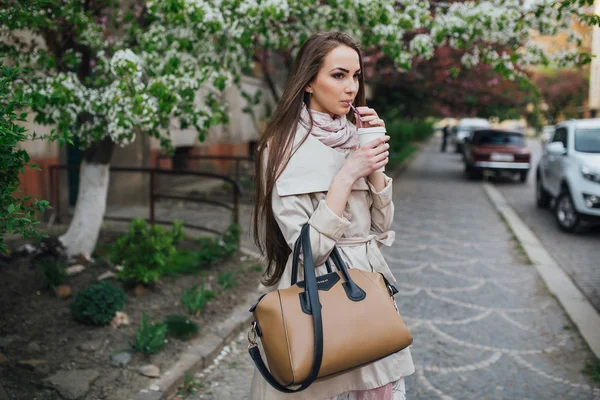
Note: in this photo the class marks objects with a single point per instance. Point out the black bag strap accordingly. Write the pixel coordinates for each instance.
(296, 259)
(311, 291)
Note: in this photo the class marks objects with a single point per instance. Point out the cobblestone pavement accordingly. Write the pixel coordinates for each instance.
(577, 254)
(484, 324)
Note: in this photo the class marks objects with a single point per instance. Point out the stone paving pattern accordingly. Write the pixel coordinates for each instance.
(484, 324)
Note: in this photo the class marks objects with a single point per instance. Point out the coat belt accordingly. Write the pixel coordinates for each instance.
(374, 255)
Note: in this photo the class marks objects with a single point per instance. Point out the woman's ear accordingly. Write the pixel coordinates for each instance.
(308, 89)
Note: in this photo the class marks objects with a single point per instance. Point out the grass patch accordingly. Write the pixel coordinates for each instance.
(398, 158)
(592, 370)
(256, 268)
(190, 385)
(226, 280)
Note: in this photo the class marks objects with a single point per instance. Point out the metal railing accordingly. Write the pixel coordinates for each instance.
(236, 160)
(154, 195)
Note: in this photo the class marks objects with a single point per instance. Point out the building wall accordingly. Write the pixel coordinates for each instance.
(34, 182)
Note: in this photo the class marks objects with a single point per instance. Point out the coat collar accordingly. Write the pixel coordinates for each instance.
(312, 167)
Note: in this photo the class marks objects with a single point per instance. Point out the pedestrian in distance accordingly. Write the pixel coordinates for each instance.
(311, 169)
(445, 134)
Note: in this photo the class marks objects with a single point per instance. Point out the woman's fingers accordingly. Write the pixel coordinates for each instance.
(382, 156)
(376, 142)
(366, 111)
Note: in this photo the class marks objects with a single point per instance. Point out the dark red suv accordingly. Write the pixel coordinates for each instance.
(497, 151)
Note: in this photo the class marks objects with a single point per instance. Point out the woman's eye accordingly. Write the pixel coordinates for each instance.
(339, 75)
(357, 76)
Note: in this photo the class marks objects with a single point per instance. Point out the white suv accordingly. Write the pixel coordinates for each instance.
(569, 173)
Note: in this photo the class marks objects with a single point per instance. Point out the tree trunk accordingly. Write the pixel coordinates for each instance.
(82, 235)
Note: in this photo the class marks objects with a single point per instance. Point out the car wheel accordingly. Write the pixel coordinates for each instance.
(523, 176)
(473, 173)
(541, 195)
(566, 215)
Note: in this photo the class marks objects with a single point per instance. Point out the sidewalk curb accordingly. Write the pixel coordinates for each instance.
(202, 352)
(577, 306)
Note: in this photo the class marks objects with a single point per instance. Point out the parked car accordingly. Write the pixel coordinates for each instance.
(497, 151)
(569, 173)
(465, 129)
(547, 132)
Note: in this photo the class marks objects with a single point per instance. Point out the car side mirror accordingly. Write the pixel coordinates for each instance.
(556, 149)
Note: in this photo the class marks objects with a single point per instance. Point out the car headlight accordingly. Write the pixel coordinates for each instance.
(589, 175)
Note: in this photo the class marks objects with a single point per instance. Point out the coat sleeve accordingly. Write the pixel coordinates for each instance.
(292, 212)
(382, 211)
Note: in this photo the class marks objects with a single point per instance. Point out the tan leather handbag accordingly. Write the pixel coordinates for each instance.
(324, 326)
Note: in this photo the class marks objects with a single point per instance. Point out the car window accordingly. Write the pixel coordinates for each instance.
(560, 135)
(587, 140)
(499, 138)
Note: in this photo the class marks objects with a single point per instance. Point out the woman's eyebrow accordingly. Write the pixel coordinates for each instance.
(343, 69)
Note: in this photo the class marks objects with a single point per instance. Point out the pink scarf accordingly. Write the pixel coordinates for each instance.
(337, 132)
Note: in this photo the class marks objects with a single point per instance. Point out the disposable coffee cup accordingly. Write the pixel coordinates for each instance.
(365, 135)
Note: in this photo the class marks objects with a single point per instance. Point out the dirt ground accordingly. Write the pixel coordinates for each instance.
(37, 328)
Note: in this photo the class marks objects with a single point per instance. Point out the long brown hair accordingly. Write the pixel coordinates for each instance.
(279, 136)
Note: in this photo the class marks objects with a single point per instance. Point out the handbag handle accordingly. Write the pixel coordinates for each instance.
(352, 290)
(311, 297)
(296, 256)
(312, 293)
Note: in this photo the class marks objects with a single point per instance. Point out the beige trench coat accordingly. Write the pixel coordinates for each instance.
(300, 197)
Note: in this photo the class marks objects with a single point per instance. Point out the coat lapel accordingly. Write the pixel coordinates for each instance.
(312, 168)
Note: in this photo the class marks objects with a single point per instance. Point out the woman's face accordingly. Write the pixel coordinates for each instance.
(336, 83)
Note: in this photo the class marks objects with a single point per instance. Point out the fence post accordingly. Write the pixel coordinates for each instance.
(236, 208)
(237, 170)
(152, 197)
(55, 188)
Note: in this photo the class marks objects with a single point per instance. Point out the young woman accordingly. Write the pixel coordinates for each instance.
(310, 168)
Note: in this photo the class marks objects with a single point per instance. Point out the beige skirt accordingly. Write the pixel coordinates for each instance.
(392, 391)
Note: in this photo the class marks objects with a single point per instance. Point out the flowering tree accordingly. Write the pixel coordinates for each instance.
(442, 87)
(559, 90)
(106, 70)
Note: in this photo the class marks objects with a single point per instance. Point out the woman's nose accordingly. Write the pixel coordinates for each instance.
(352, 86)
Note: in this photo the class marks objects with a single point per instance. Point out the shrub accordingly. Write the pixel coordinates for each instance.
(53, 272)
(195, 299)
(181, 327)
(226, 280)
(213, 250)
(97, 304)
(145, 251)
(149, 337)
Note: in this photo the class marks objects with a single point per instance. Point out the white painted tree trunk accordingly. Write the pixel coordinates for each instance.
(82, 235)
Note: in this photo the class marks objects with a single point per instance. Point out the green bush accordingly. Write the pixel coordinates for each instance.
(181, 327)
(146, 251)
(403, 133)
(149, 338)
(212, 250)
(97, 304)
(195, 299)
(53, 272)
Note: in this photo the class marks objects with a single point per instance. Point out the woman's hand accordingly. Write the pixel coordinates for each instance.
(367, 159)
(369, 117)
